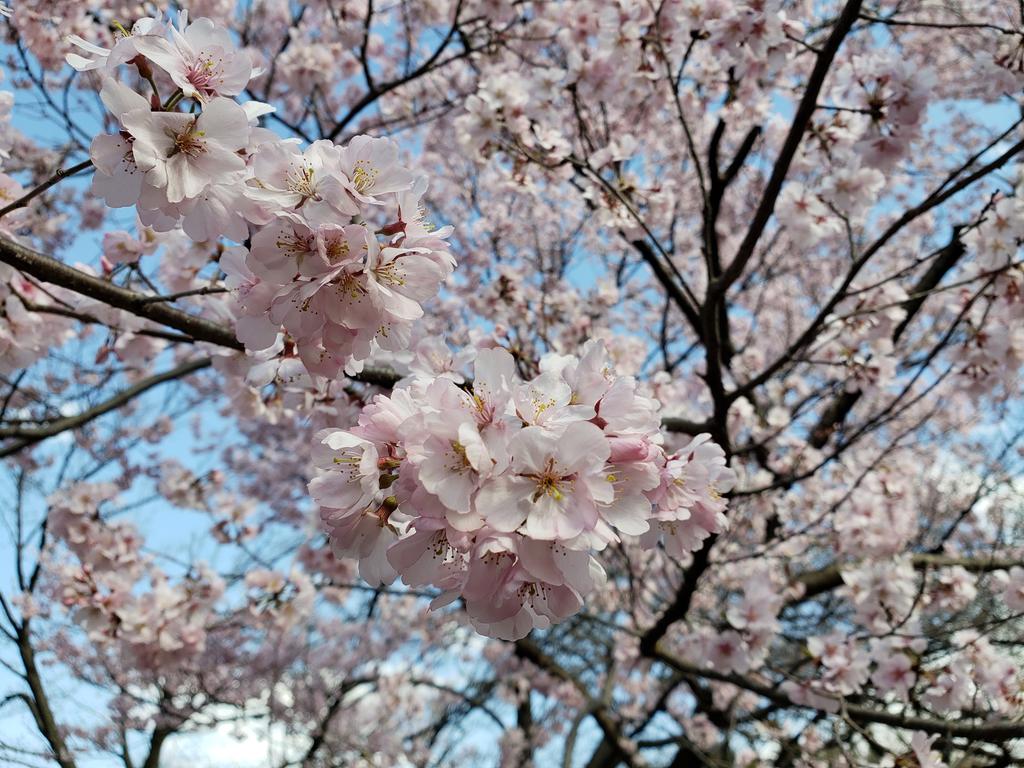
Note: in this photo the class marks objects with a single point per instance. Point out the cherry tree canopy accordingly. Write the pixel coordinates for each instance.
(512, 383)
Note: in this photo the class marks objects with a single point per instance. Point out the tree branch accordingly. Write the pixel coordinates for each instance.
(801, 119)
(58, 177)
(41, 711)
(1000, 730)
(50, 270)
(529, 650)
(818, 582)
(27, 436)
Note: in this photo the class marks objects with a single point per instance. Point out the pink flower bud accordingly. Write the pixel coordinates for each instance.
(625, 449)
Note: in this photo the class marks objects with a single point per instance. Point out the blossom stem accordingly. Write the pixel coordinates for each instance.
(172, 102)
(57, 177)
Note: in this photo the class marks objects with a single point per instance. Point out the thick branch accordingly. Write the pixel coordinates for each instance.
(667, 282)
(156, 744)
(714, 312)
(801, 119)
(827, 579)
(334, 704)
(681, 604)
(1000, 730)
(50, 270)
(41, 711)
(529, 650)
(27, 436)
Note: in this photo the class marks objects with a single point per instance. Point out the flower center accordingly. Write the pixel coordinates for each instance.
(336, 249)
(202, 75)
(389, 274)
(189, 142)
(300, 181)
(550, 482)
(363, 175)
(295, 244)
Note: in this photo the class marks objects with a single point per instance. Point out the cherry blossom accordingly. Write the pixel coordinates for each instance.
(183, 154)
(122, 52)
(613, 382)
(200, 57)
(496, 479)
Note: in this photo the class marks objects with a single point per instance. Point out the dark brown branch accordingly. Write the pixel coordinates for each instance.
(681, 603)
(671, 287)
(27, 436)
(1000, 730)
(527, 649)
(711, 212)
(50, 270)
(892, 22)
(432, 63)
(790, 146)
(206, 290)
(825, 580)
(334, 705)
(58, 177)
(156, 744)
(41, 712)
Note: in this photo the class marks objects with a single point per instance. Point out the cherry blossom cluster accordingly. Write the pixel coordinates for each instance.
(810, 216)
(752, 624)
(975, 676)
(341, 256)
(992, 353)
(875, 327)
(997, 241)
(860, 336)
(499, 491)
(878, 520)
(891, 96)
(340, 291)
(279, 600)
(606, 52)
(158, 626)
(25, 336)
